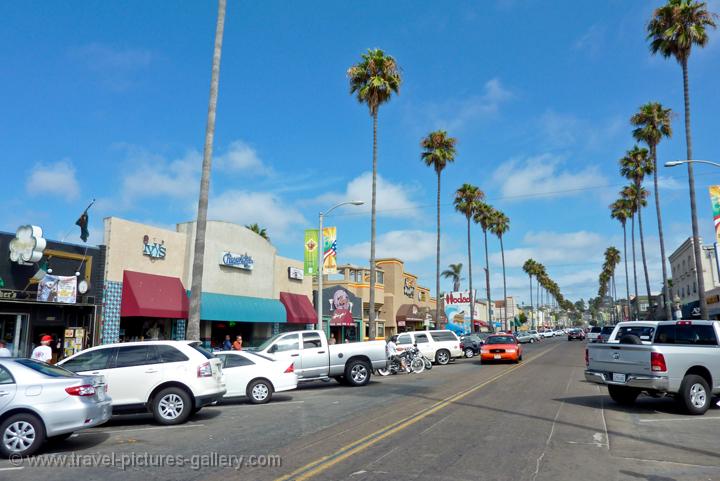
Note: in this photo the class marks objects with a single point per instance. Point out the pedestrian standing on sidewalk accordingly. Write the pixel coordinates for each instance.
(237, 345)
(332, 339)
(227, 343)
(4, 351)
(43, 352)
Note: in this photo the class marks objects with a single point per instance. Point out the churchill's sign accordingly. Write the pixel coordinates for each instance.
(239, 261)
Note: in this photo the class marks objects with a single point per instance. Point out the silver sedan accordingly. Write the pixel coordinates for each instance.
(39, 401)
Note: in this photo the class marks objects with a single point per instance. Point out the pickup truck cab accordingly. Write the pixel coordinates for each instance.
(350, 363)
(682, 361)
(643, 330)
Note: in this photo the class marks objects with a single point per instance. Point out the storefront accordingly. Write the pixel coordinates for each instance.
(48, 288)
(342, 309)
(411, 317)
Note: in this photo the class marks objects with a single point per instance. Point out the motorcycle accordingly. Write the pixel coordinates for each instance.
(414, 362)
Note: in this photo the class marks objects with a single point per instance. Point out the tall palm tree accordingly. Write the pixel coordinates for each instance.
(466, 202)
(261, 231)
(193, 327)
(621, 211)
(500, 225)
(529, 268)
(438, 152)
(612, 259)
(653, 122)
(483, 216)
(637, 195)
(673, 31)
(454, 272)
(635, 165)
(374, 80)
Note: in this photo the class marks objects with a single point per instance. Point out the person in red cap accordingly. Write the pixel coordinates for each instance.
(43, 352)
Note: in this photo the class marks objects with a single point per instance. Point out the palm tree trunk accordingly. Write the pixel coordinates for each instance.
(472, 294)
(532, 307)
(614, 296)
(502, 253)
(693, 207)
(437, 258)
(627, 277)
(373, 216)
(487, 283)
(537, 297)
(193, 328)
(637, 302)
(651, 312)
(666, 289)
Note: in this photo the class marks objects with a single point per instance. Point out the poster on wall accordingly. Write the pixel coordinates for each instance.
(311, 256)
(57, 289)
(715, 198)
(330, 250)
(457, 310)
(341, 306)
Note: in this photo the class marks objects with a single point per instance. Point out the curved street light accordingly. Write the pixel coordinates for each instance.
(674, 163)
(321, 262)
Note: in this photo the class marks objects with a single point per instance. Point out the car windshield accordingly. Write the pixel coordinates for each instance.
(596, 329)
(500, 340)
(47, 369)
(645, 333)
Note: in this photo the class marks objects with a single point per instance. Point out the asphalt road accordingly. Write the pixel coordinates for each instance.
(534, 421)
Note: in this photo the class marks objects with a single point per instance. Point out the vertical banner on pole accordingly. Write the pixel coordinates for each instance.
(330, 250)
(311, 253)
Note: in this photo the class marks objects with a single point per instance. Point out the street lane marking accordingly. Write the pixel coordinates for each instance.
(666, 462)
(667, 420)
(17, 468)
(139, 429)
(326, 462)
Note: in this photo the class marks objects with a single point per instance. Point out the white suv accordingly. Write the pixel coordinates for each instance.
(171, 379)
(439, 346)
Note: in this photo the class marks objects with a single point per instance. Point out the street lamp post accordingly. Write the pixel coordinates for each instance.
(321, 263)
(696, 236)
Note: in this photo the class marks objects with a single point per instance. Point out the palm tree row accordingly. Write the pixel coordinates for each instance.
(469, 201)
(544, 285)
(607, 277)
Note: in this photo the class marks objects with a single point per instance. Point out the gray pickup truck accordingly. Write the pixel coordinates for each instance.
(683, 361)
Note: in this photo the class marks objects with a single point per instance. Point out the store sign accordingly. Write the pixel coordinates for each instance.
(295, 273)
(239, 261)
(154, 250)
(457, 309)
(409, 288)
(28, 245)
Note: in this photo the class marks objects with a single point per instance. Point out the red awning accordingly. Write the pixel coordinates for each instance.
(299, 308)
(148, 295)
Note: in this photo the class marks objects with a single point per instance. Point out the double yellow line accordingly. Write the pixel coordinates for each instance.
(326, 462)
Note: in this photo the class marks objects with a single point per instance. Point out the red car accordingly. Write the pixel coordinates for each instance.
(501, 347)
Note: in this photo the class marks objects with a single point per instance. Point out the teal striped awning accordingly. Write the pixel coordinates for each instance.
(223, 307)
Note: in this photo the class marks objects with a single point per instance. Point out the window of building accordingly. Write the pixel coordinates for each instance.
(694, 287)
(380, 277)
(380, 329)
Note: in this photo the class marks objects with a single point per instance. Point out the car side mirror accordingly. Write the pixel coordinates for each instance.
(272, 349)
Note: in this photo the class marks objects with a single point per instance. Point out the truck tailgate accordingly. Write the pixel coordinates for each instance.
(619, 358)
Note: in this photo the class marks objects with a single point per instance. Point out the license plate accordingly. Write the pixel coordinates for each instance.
(617, 377)
(497, 356)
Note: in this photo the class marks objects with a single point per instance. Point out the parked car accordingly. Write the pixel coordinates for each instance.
(255, 375)
(470, 344)
(351, 363)
(524, 337)
(681, 361)
(170, 379)
(578, 334)
(594, 333)
(68, 403)
(501, 347)
(440, 346)
(547, 333)
(643, 330)
(536, 335)
(559, 332)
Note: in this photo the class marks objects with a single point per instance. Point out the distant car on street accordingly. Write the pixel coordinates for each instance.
(592, 335)
(255, 375)
(501, 347)
(536, 335)
(524, 337)
(573, 334)
(547, 333)
(40, 402)
(605, 333)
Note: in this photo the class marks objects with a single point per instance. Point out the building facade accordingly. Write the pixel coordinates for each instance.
(684, 279)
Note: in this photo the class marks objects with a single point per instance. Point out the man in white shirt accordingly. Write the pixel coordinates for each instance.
(43, 352)
(4, 351)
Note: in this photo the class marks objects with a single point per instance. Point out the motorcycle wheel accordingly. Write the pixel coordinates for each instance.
(428, 363)
(417, 365)
(383, 371)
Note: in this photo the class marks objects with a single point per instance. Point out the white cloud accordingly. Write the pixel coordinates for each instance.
(408, 245)
(393, 200)
(543, 175)
(668, 183)
(154, 176)
(53, 179)
(241, 157)
(116, 67)
(549, 247)
(265, 208)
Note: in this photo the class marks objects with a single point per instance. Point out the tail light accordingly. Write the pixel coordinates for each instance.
(462, 346)
(683, 323)
(587, 358)
(204, 370)
(290, 369)
(657, 362)
(84, 390)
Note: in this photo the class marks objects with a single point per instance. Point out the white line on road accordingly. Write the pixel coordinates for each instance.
(249, 406)
(694, 418)
(665, 462)
(94, 431)
(17, 468)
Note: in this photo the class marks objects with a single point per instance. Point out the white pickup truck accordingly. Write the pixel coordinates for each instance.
(683, 361)
(351, 363)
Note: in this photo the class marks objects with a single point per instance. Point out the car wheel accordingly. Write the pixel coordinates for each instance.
(532, 341)
(625, 396)
(172, 406)
(694, 394)
(469, 352)
(22, 435)
(357, 373)
(442, 357)
(259, 391)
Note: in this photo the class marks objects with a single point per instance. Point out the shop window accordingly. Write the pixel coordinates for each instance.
(135, 356)
(380, 329)
(5, 376)
(311, 340)
(380, 277)
(170, 354)
(91, 360)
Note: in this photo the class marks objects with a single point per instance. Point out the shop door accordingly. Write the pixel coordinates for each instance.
(14, 331)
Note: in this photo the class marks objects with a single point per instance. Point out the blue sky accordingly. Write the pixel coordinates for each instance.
(109, 99)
